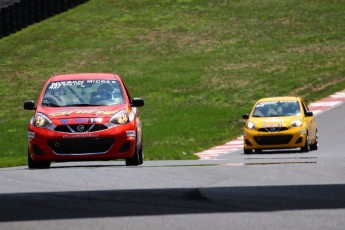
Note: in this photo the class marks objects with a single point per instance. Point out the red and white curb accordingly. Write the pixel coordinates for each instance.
(237, 144)
(328, 102)
(228, 147)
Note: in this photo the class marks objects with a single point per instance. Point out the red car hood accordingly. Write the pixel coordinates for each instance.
(81, 112)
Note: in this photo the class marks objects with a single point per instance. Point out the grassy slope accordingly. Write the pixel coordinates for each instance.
(199, 64)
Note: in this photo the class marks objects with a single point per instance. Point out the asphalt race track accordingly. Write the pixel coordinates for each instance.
(272, 190)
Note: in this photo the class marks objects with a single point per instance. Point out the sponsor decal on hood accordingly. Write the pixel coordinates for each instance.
(82, 112)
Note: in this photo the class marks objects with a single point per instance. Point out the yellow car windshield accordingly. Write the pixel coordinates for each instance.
(276, 109)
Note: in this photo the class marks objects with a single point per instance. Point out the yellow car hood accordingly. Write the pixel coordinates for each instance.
(264, 122)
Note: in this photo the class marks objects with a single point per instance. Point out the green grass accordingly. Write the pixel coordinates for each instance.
(198, 64)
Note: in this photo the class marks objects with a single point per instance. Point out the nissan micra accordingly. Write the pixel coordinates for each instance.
(280, 123)
(84, 116)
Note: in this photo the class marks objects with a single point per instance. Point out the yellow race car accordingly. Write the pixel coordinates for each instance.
(280, 123)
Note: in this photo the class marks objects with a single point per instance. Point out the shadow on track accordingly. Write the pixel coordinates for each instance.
(119, 203)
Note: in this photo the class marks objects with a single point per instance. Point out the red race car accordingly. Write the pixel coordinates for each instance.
(86, 116)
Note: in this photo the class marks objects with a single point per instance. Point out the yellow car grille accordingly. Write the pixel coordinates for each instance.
(273, 140)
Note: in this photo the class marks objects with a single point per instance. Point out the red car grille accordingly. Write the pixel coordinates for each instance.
(81, 145)
(76, 128)
(273, 140)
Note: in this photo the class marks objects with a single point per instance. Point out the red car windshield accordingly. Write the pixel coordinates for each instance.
(83, 93)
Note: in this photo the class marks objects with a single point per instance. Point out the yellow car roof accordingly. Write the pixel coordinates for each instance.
(283, 98)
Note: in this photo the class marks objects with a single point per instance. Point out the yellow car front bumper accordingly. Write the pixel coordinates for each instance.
(292, 138)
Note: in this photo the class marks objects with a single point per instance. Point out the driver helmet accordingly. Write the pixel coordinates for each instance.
(105, 91)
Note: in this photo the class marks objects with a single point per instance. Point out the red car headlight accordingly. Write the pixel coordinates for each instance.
(120, 118)
(40, 120)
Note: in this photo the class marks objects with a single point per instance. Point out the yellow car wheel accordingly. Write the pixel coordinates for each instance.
(315, 145)
(247, 151)
(305, 148)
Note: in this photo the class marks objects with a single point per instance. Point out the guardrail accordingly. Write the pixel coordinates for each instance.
(18, 14)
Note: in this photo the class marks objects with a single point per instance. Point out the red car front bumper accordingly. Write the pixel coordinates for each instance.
(112, 143)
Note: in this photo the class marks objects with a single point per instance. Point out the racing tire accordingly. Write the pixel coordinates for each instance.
(141, 155)
(37, 164)
(137, 158)
(315, 145)
(247, 151)
(305, 148)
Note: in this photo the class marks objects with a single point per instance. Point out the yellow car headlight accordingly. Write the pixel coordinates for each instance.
(296, 123)
(250, 125)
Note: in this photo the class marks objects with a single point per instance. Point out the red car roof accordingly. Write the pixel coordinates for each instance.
(83, 76)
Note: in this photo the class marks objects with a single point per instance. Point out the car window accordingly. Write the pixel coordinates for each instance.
(276, 108)
(83, 93)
